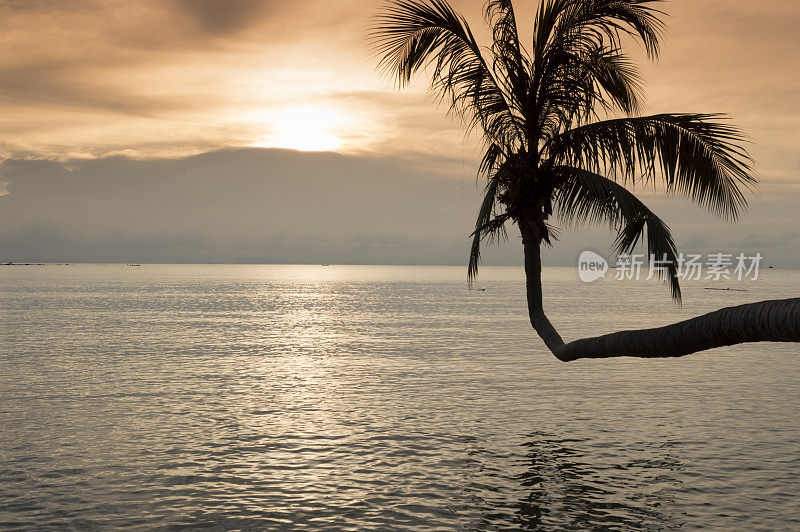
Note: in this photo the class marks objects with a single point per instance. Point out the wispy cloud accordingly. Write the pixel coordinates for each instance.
(95, 77)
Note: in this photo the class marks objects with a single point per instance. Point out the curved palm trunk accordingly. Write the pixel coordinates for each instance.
(767, 321)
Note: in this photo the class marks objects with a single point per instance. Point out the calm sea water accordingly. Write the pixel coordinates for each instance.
(378, 398)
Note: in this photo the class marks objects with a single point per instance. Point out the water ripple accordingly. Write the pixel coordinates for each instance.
(292, 398)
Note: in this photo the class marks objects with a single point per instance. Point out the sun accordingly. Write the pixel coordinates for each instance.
(310, 128)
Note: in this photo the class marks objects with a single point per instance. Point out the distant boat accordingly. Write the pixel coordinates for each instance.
(772, 267)
(135, 265)
(726, 289)
(325, 265)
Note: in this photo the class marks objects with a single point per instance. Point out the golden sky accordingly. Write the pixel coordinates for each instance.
(168, 79)
(171, 77)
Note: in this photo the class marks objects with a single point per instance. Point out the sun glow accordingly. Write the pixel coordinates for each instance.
(302, 129)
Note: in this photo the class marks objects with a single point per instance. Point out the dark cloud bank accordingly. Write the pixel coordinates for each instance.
(253, 205)
(279, 206)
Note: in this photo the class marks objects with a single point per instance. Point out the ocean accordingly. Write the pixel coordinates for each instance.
(379, 398)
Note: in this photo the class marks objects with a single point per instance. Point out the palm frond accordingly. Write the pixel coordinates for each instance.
(493, 157)
(697, 155)
(587, 197)
(618, 77)
(511, 60)
(567, 24)
(488, 225)
(410, 35)
(578, 63)
(597, 79)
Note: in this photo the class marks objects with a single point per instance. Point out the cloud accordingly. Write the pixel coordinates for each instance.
(696, 241)
(279, 206)
(754, 241)
(220, 17)
(248, 205)
(97, 77)
(56, 85)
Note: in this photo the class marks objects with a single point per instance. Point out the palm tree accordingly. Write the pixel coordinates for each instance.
(551, 148)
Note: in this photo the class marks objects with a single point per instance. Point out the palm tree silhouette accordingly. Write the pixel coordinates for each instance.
(550, 148)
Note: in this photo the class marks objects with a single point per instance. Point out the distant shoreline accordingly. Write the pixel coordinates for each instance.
(37, 263)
